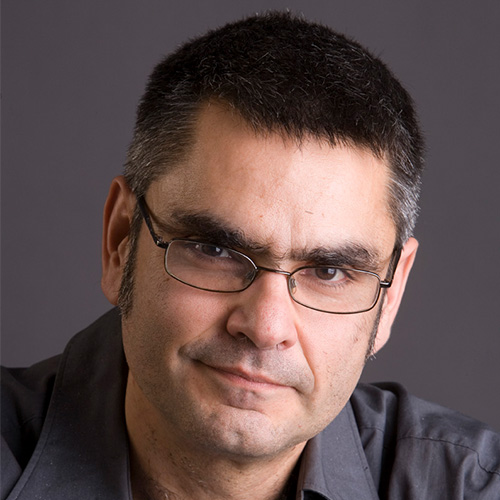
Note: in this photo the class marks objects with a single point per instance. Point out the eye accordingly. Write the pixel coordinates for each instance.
(212, 256)
(328, 273)
(323, 277)
(213, 250)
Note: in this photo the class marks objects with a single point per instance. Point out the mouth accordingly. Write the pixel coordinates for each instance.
(233, 366)
(246, 379)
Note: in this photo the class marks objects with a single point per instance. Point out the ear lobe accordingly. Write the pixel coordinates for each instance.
(394, 294)
(117, 219)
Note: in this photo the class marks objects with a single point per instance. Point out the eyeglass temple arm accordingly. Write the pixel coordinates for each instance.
(396, 255)
(141, 203)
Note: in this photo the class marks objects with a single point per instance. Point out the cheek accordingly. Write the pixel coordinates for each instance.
(336, 351)
(166, 314)
(189, 313)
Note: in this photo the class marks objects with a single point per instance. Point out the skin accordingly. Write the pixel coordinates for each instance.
(224, 390)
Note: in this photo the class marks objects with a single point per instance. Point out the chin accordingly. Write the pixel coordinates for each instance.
(242, 435)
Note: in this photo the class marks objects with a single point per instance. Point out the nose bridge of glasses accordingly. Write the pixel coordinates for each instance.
(290, 279)
(289, 275)
(271, 270)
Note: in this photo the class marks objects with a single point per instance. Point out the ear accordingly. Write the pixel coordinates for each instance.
(394, 294)
(117, 220)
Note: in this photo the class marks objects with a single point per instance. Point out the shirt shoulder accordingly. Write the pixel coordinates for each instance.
(46, 411)
(26, 394)
(419, 449)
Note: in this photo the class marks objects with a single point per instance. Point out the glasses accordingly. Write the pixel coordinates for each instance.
(210, 267)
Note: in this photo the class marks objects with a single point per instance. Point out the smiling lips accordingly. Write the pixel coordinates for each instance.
(236, 373)
(248, 367)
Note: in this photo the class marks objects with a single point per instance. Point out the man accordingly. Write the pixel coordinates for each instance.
(257, 249)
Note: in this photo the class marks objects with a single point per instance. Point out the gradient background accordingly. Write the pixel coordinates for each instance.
(72, 73)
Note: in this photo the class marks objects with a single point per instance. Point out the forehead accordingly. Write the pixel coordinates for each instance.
(278, 192)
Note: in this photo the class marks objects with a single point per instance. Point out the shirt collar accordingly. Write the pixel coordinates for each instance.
(334, 464)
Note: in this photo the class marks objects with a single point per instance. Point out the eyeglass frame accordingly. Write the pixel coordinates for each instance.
(383, 284)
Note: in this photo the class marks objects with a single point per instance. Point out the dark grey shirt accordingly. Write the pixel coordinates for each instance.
(64, 436)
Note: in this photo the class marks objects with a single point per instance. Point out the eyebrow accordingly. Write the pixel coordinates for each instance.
(209, 228)
(348, 254)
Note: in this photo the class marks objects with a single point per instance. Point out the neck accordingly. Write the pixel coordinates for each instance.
(166, 467)
(182, 479)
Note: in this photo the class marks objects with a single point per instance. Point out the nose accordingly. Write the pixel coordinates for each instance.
(265, 313)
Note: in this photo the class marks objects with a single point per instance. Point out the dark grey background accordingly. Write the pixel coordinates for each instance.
(72, 72)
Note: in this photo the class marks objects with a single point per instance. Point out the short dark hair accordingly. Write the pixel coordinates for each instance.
(287, 75)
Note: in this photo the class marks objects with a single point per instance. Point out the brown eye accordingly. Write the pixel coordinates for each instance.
(328, 273)
(212, 250)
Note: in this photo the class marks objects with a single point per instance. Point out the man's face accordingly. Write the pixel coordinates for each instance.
(253, 374)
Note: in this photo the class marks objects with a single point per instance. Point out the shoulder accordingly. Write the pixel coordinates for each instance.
(415, 439)
(27, 393)
(390, 408)
(414, 444)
